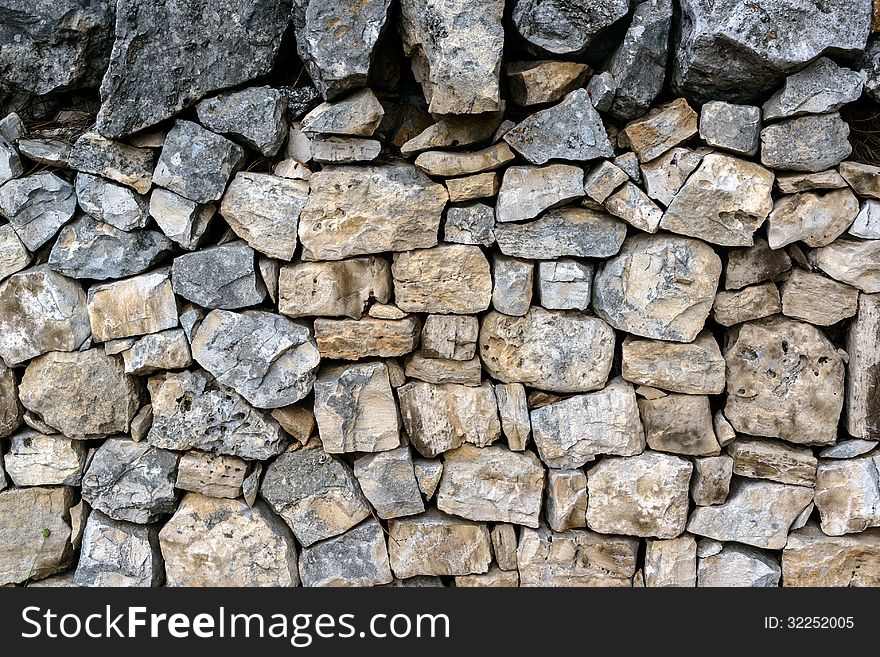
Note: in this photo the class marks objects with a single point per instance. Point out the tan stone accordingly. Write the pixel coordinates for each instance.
(710, 483)
(470, 188)
(134, 306)
(495, 578)
(863, 373)
(441, 370)
(811, 558)
(214, 475)
(747, 304)
(661, 128)
(851, 261)
(816, 220)
(353, 339)
(848, 495)
(818, 300)
(544, 81)
(513, 411)
(504, 545)
(566, 500)
(333, 289)
(672, 562)
(448, 164)
(754, 264)
(633, 206)
(695, 368)
(774, 460)
(449, 279)
(680, 424)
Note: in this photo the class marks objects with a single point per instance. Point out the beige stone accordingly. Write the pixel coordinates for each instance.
(695, 368)
(747, 304)
(863, 373)
(470, 188)
(672, 562)
(848, 495)
(818, 300)
(134, 306)
(452, 163)
(680, 424)
(441, 370)
(214, 475)
(333, 289)
(353, 339)
(633, 206)
(662, 128)
(855, 262)
(450, 336)
(566, 500)
(449, 279)
(811, 558)
(513, 411)
(710, 483)
(816, 220)
(543, 81)
(770, 459)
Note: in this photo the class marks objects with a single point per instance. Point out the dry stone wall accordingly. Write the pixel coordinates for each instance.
(419, 293)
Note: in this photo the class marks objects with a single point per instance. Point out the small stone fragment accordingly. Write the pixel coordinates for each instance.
(680, 424)
(545, 81)
(454, 131)
(710, 483)
(792, 183)
(816, 299)
(13, 255)
(359, 557)
(513, 280)
(603, 179)
(862, 419)
(470, 224)
(633, 206)
(358, 114)
(428, 473)
(182, 220)
(495, 578)
(513, 411)
(450, 336)
(851, 261)
(867, 223)
(566, 504)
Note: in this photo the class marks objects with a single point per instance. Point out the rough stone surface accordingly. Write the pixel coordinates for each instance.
(695, 368)
(811, 558)
(660, 129)
(680, 424)
(119, 554)
(254, 116)
(133, 306)
(773, 460)
(545, 81)
(183, 221)
(350, 339)
(815, 219)
(821, 87)
(710, 483)
(513, 281)
(114, 204)
(755, 264)
(37, 206)
(563, 27)
(852, 262)
(579, 232)
(750, 303)
(862, 419)
(388, 481)
(359, 557)
(453, 279)
(526, 191)
(211, 474)
(735, 128)
(671, 562)
(738, 566)
(818, 300)
(565, 284)
(847, 495)
(566, 499)
(333, 289)
(128, 165)
(35, 459)
(223, 276)
(807, 143)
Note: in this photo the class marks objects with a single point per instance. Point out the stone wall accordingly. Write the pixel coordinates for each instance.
(425, 293)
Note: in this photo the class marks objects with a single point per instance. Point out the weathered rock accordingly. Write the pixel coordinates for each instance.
(629, 163)
(847, 449)
(818, 300)
(35, 533)
(757, 513)
(455, 52)
(564, 284)
(211, 474)
(494, 578)
(182, 220)
(867, 223)
(389, 483)
(851, 261)
(570, 130)
(358, 114)
(359, 210)
(538, 350)
(336, 41)
(11, 410)
(450, 278)
(223, 276)
(166, 350)
(51, 152)
(92, 249)
(353, 339)
(133, 306)
(191, 412)
(735, 128)
(526, 191)
(119, 554)
(644, 495)
(808, 143)
(784, 380)
(633, 206)
(436, 544)
(575, 558)
(441, 370)
(127, 165)
(848, 495)
(137, 91)
(816, 220)
(35, 459)
(110, 203)
(215, 542)
(470, 224)
(776, 461)
(754, 265)
(454, 131)
(662, 128)
(37, 206)
(450, 336)
(512, 283)
(665, 175)
(723, 202)
(658, 286)
(821, 87)
(315, 494)
(254, 115)
(863, 178)
(131, 481)
(680, 424)
(358, 557)
(428, 473)
(566, 504)
(14, 256)
(577, 232)
(671, 562)
(710, 482)
(514, 414)
(750, 303)
(438, 418)
(736, 51)
(298, 420)
(811, 558)
(197, 163)
(545, 81)
(738, 566)
(695, 368)
(332, 289)
(10, 162)
(81, 394)
(573, 431)
(792, 183)
(862, 418)
(458, 163)
(565, 26)
(468, 188)
(40, 311)
(345, 150)
(603, 179)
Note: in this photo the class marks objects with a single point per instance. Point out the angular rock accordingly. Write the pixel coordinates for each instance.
(131, 481)
(538, 350)
(151, 40)
(254, 115)
(817, 220)
(182, 220)
(671, 562)
(773, 460)
(680, 424)
(223, 276)
(735, 128)
(644, 495)
(603, 179)
(297, 420)
(40, 311)
(454, 131)
(666, 174)
(355, 409)
(545, 81)
(565, 26)
(750, 303)
(360, 210)
(633, 206)
(867, 223)
(566, 505)
(119, 554)
(723, 202)
(847, 449)
(739, 566)
(353, 339)
(35, 459)
(792, 183)
(564, 284)
(166, 350)
(863, 178)
(808, 143)
(784, 380)
(662, 128)
(695, 368)
(862, 417)
(848, 495)
(332, 289)
(315, 494)
(14, 256)
(470, 224)
(127, 165)
(439, 418)
(92, 249)
(579, 232)
(133, 306)
(710, 483)
(11, 410)
(214, 542)
(345, 150)
(658, 286)
(816, 299)
(494, 578)
(468, 188)
(211, 474)
(450, 336)
(513, 411)
(455, 53)
(811, 558)
(389, 483)
(37, 206)
(450, 278)
(10, 162)
(439, 370)
(51, 152)
(755, 264)
(457, 163)
(358, 114)
(526, 191)
(756, 513)
(191, 412)
(851, 261)
(358, 557)
(81, 394)
(428, 473)
(513, 280)
(570, 130)
(436, 544)
(821, 87)
(114, 204)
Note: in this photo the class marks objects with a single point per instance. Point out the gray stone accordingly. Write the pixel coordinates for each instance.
(662, 128)
(633, 206)
(127, 165)
(807, 143)
(358, 557)
(628, 162)
(182, 220)
(314, 493)
(754, 264)
(579, 232)
(360, 210)
(131, 481)
(695, 368)
(166, 350)
(51, 152)
(566, 504)
(816, 299)
(565, 26)
(601, 89)
(574, 431)
(805, 410)
(659, 286)
(735, 128)
(436, 544)
(538, 349)
(455, 53)
(527, 191)
(197, 163)
(821, 87)
(358, 115)
(867, 223)
(680, 424)
(211, 474)
(747, 304)
(81, 394)
(389, 483)
(847, 449)
(710, 483)
(512, 283)
(345, 150)
(544, 81)
(666, 174)
(114, 204)
(10, 162)
(37, 206)
(119, 554)
(355, 409)
(603, 179)
(851, 261)
(137, 91)
(132, 306)
(14, 256)
(11, 410)
(190, 411)
(815, 219)
(739, 566)
(570, 130)
(223, 276)
(773, 460)
(862, 418)
(450, 336)
(333, 289)
(428, 473)
(469, 224)
(92, 249)
(41, 311)
(564, 284)
(254, 115)
(671, 563)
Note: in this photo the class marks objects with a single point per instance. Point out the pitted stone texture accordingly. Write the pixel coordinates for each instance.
(119, 554)
(450, 278)
(211, 474)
